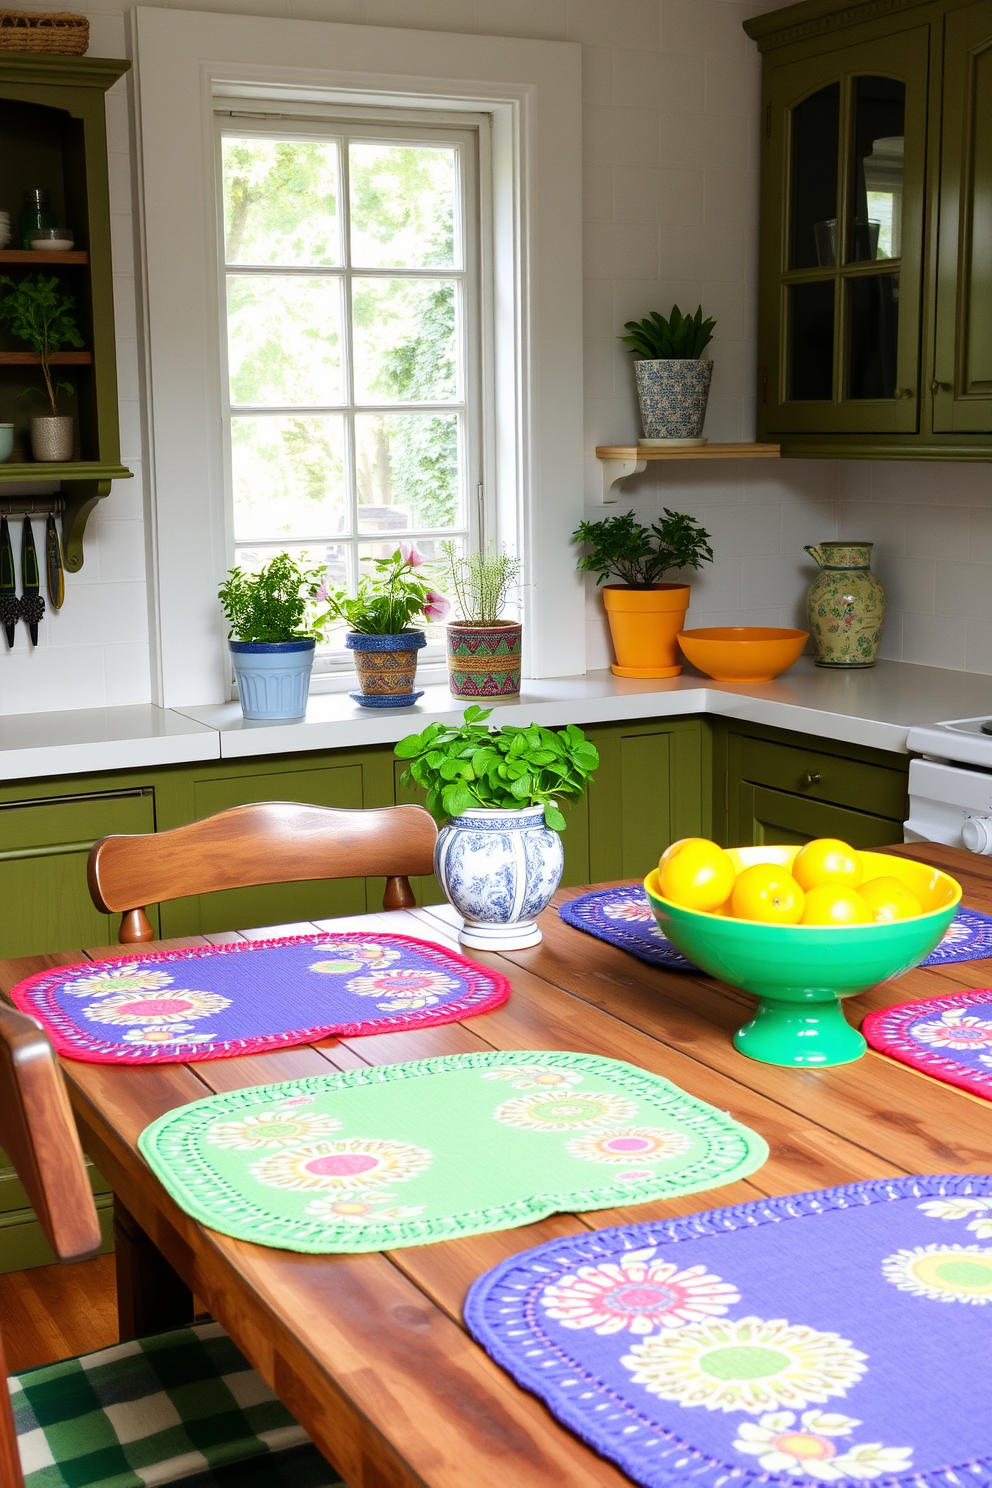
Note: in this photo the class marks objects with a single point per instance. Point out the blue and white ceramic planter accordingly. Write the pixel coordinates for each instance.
(499, 869)
(673, 394)
(273, 677)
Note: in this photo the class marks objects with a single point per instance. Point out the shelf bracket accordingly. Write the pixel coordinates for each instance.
(615, 472)
(80, 497)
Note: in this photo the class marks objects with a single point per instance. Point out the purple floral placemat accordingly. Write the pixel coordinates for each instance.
(832, 1337)
(623, 917)
(216, 1002)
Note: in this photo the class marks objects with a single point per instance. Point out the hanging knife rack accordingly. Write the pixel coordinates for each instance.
(32, 506)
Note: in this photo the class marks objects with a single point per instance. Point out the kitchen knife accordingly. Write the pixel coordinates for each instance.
(32, 604)
(54, 566)
(10, 605)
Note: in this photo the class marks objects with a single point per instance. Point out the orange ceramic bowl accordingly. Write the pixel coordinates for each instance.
(742, 653)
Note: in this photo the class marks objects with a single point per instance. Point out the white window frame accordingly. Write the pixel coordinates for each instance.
(531, 93)
(248, 118)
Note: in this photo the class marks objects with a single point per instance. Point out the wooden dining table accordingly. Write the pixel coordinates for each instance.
(370, 1351)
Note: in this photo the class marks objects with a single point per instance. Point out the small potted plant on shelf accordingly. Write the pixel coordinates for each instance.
(380, 633)
(274, 630)
(483, 648)
(498, 856)
(37, 312)
(673, 382)
(645, 614)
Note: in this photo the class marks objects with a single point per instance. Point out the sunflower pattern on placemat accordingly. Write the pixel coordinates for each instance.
(815, 1338)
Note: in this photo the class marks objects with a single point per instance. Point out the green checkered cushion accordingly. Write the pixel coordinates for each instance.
(180, 1408)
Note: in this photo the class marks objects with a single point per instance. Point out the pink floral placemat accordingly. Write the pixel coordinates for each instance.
(948, 1037)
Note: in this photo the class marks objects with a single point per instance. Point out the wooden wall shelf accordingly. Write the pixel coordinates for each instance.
(41, 256)
(59, 358)
(621, 461)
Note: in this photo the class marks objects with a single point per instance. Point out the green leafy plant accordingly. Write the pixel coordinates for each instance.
(641, 556)
(679, 338)
(34, 310)
(481, 582)
(275, 604)
(504, 769)
(390, 598)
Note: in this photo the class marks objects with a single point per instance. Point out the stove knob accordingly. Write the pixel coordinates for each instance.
(976, 835)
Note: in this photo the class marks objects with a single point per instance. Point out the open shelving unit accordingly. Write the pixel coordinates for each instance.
(621, 461)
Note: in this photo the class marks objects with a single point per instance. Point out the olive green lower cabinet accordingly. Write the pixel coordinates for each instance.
(659, 779)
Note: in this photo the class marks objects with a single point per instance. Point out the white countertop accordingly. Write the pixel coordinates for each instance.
(875, 707)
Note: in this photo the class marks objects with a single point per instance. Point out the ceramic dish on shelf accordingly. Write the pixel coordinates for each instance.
(742, 653)
(800, 972)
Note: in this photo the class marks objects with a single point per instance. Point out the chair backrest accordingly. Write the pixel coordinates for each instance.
(268, 842)
(39, 1134)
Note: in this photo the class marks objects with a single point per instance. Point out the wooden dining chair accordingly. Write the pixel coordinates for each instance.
(183, 1408)
(268, 842)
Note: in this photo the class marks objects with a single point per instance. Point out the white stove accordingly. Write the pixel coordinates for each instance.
(950, 790)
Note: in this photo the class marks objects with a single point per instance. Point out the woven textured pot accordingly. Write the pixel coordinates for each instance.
(58, 32)
(484, 660)
(52, 438)
(673, 394)
(387, 667)
(644, 624)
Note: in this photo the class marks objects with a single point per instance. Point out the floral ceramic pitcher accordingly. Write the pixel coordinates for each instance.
(846, 605)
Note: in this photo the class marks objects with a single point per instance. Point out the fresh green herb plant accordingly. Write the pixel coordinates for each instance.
(679, 338)
(34, 310)
(390, 598)
(275, 604)
(481, 583)
(641, 556)
(506, 769)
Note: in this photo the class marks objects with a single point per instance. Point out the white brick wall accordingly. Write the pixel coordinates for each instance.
(670, 208)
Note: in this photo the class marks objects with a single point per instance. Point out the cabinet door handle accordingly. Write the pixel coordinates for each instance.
(904, 392)
(939, 387)
(809, 777)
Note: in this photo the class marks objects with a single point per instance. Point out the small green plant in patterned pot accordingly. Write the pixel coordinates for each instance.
(846, 605)
(484, 650)
(673, 382)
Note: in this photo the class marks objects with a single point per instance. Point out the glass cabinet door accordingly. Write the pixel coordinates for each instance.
(840, 291)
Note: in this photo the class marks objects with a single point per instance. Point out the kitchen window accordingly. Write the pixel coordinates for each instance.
(351, 341)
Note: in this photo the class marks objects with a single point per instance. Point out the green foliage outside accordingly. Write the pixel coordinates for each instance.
(680, 337)
(641, 556)
(36, 311)
(502, 769)
(274, 604)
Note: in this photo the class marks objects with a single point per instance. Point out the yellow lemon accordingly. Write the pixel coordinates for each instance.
(767, 891)
(833, 904)
(697, 874)
(889, 899)
(677, 847)
(827, 860)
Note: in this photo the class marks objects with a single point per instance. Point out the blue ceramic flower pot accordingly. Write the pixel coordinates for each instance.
(499, 869)
(673, 394)
(273, 677)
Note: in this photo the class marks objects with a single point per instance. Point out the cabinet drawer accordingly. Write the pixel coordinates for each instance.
(776, 817)
(825, 777)
(74, 819)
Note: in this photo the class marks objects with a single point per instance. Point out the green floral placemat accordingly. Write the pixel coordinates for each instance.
(408, 1153)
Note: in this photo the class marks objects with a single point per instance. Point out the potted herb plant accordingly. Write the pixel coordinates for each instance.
(645, 614)
(497, 794)
(673, 382)
(38, 313)
(380, 633)
(274, 630)
(483, 648)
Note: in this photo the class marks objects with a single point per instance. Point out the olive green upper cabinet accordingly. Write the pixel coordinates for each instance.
(875, 309)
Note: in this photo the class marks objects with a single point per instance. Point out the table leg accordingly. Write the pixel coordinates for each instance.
(151, 1296)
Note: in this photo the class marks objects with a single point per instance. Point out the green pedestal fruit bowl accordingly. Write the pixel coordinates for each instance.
(800, 972)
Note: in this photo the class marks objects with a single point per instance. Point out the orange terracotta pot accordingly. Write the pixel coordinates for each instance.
(644, 624)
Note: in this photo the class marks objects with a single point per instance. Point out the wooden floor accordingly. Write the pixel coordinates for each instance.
(53, 1312)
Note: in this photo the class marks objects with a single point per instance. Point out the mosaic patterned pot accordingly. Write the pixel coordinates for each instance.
(387, 667)
(846, 605)
(484, 660)
(52, 438)
(273, 677)
(673, 395)
(499, 869)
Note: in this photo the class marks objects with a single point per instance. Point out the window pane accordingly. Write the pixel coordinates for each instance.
(407, 471)
(284, 340)
(402, 206)
(404, 340)
(811, 341)
(815, 148)
(873, 336)
(281, 201)
(332, 556)
(879, 123)
(288, 476)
